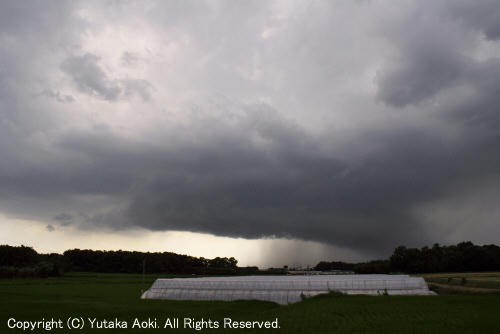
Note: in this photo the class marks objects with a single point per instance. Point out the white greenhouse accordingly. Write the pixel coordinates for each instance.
(283, 289)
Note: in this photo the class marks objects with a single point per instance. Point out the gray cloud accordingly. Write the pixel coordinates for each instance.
(129, 58)
(483, 15)
(64, 219)
(429, 58)
(264, 123)
(137, 86)
(90, 79)
(58, 96)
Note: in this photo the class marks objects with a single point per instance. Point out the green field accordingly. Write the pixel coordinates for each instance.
(488, 282)
(110, 296)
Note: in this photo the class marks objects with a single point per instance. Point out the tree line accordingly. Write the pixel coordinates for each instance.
(463, 257)
(23, 261)
(134, 262)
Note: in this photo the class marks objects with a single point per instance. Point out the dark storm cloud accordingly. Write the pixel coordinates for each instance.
(429, 58)
(481, 111)
(251, 169)
(432, 53)
(227, 185)
(424, 71)
(307, 195)
(482, 15)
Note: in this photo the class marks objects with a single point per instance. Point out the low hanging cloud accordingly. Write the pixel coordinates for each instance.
(281, 126)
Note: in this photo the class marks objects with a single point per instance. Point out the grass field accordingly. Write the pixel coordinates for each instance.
(488, 282)
(110, 296)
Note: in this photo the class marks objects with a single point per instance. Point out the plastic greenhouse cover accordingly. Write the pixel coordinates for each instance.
(283, 289)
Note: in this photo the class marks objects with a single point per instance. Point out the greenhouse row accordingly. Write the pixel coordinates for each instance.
(283, 289)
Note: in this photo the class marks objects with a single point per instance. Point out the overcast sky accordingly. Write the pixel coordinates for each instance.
(278, 132)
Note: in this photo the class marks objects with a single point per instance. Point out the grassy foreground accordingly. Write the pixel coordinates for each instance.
(110, 296)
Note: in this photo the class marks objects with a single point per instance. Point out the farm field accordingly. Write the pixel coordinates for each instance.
(486, 282)
(110, 296)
